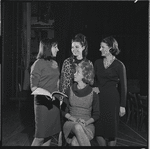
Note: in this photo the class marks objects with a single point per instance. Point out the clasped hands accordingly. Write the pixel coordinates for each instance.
(81, 121)
(78, 120)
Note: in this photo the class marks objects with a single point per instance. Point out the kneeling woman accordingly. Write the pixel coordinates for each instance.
(82, 107)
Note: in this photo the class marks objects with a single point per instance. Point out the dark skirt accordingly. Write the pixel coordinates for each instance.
(107, 125)
(47, 117)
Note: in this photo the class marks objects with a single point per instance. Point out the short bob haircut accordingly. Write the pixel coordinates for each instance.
(83, 41)
(113, 44)
(45, 44)
(88, 72)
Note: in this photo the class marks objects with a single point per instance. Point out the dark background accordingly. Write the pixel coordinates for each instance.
(126, 21)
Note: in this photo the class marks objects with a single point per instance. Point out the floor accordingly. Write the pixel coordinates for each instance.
(18, 128)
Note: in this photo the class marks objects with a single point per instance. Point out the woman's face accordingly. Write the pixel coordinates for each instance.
(78, 76)
(54, 50)
(104, 48)
(77, 49)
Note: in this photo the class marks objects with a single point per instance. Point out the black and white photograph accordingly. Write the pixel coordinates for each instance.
(74, 73)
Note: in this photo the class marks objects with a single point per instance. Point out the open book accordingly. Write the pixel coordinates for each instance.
(41, 91)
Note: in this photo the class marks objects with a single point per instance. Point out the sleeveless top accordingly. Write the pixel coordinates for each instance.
(80, 107)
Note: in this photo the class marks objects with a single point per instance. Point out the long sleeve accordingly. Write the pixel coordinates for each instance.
(35, 74)
(95, 107)
(123, 83)
(65, 76)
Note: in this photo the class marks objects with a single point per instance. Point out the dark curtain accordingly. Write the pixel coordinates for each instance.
(69, 21)
(143, 31)
(62, 15)
(11, 48)
(126, 21)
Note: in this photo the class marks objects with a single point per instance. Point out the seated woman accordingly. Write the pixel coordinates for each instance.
(82, 108)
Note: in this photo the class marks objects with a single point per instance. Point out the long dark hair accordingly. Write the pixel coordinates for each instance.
(83, 41)
(46, 44)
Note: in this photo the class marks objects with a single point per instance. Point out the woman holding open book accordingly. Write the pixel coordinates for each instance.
(45, 74)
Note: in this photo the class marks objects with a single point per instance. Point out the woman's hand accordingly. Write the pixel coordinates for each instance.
(122, 111)
(53, 98)
(96, 89)
(60, 98)
(33, 88)
(81, 121)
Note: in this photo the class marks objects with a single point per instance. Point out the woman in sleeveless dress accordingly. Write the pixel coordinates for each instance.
(82, 108)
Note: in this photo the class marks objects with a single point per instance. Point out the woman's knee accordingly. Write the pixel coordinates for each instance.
(77, 128)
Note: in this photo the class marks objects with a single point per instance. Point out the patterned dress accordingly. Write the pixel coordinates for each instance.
(67, 73)
(83, 103)
(110, 99)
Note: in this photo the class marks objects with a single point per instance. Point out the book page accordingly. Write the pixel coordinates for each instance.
(41, 91)
(58, 92)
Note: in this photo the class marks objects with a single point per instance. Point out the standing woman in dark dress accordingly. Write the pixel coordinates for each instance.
(45, 74)
(109, 73)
